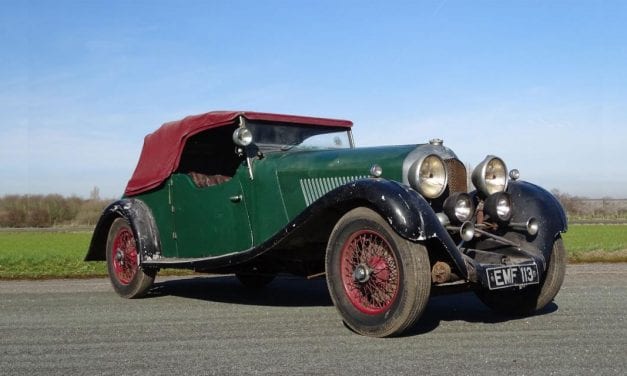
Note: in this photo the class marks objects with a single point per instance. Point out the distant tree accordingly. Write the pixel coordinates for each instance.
(571, 204)
(13, 211)
(94, 195)
(50, 210)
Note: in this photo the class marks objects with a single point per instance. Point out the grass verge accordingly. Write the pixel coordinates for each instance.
(596, 243)
(51, 254)
(45, 254)
(38, 254)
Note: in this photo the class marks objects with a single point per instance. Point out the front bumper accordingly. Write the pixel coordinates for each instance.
(503, 267)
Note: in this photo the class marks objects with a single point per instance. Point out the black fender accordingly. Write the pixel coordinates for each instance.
(142, 223)
(529, 200)
(407, 212)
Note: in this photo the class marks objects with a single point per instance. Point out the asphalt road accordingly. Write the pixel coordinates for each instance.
(211, 325)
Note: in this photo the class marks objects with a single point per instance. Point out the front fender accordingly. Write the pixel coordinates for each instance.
(529, 200)
(407, 212)
(142, 223)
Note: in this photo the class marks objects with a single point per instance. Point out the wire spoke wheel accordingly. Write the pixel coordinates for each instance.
(124, 256)
(370, 272)
(379, 282)
(127, 276)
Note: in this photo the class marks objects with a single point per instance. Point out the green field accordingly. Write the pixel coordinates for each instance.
(43, 254)
(596, 243)
(35, 254)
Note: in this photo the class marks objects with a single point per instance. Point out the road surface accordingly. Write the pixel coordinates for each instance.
(212, 325)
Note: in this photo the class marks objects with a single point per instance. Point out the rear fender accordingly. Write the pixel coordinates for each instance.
(142, 223)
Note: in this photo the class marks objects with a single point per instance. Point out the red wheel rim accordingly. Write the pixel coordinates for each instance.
(124, 256)
(369, 272)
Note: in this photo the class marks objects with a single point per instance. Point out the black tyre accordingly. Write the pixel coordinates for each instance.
(379, 282)
(129, 280)
(530, 299)
(254, 281)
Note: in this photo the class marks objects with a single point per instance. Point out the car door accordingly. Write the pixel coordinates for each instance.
(210, 220)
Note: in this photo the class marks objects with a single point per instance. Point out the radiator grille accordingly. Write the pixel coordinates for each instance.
(457, 180)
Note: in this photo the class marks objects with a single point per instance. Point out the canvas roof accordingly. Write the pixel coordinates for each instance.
(162, 149)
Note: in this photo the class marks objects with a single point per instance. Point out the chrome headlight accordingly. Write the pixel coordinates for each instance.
(242, 137)
(490, 176)
(499, 207)
(428, 176)
(459, 207)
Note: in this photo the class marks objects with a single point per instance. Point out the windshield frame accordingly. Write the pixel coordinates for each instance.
(282, 137)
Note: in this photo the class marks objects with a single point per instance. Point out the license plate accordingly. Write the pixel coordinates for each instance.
(515, 275)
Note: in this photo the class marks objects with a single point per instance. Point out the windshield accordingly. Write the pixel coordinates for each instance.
(271, 137)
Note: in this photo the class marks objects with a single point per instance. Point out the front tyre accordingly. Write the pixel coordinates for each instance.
(379, 282)
(128, 278)
(532, 298)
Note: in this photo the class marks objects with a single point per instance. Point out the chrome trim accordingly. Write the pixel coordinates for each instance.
(351, 140)
(414, 172)
(466, 230)
(422, 151)
(531, 226)
(376, 171)
(478, 175)
(514, 174)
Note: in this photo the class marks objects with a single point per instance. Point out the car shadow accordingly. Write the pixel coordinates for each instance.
(284, 291)
(288, 291)
(464, 306)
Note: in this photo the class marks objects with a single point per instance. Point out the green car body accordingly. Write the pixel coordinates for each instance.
(244, 193)
(208, 221)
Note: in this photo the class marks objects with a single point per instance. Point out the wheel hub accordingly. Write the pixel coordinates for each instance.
(119, 256)
(361, 273)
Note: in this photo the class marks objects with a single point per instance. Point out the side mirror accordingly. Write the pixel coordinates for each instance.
(242, 137)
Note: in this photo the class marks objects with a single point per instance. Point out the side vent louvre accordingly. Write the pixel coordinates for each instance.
(314, 188)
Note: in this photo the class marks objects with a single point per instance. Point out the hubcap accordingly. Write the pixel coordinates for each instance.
(369, 272)
(362, 273)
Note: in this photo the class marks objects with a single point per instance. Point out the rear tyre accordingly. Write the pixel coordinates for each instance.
(530, 299)
(379, 282)
(128, 278)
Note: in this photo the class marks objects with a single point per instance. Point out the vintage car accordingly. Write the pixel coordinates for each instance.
(258, 194)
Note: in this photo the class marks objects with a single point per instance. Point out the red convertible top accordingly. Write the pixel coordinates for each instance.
(162, 149)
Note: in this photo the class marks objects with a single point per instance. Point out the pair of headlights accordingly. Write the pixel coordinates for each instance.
(459, 207)
(490, 179)
(428, 176)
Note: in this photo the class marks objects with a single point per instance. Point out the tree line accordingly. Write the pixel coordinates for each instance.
(51, 210)
(583, 208)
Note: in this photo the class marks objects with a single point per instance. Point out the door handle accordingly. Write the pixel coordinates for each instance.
(236, 198)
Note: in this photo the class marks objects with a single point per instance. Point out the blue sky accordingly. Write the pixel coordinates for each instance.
(541, 84)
